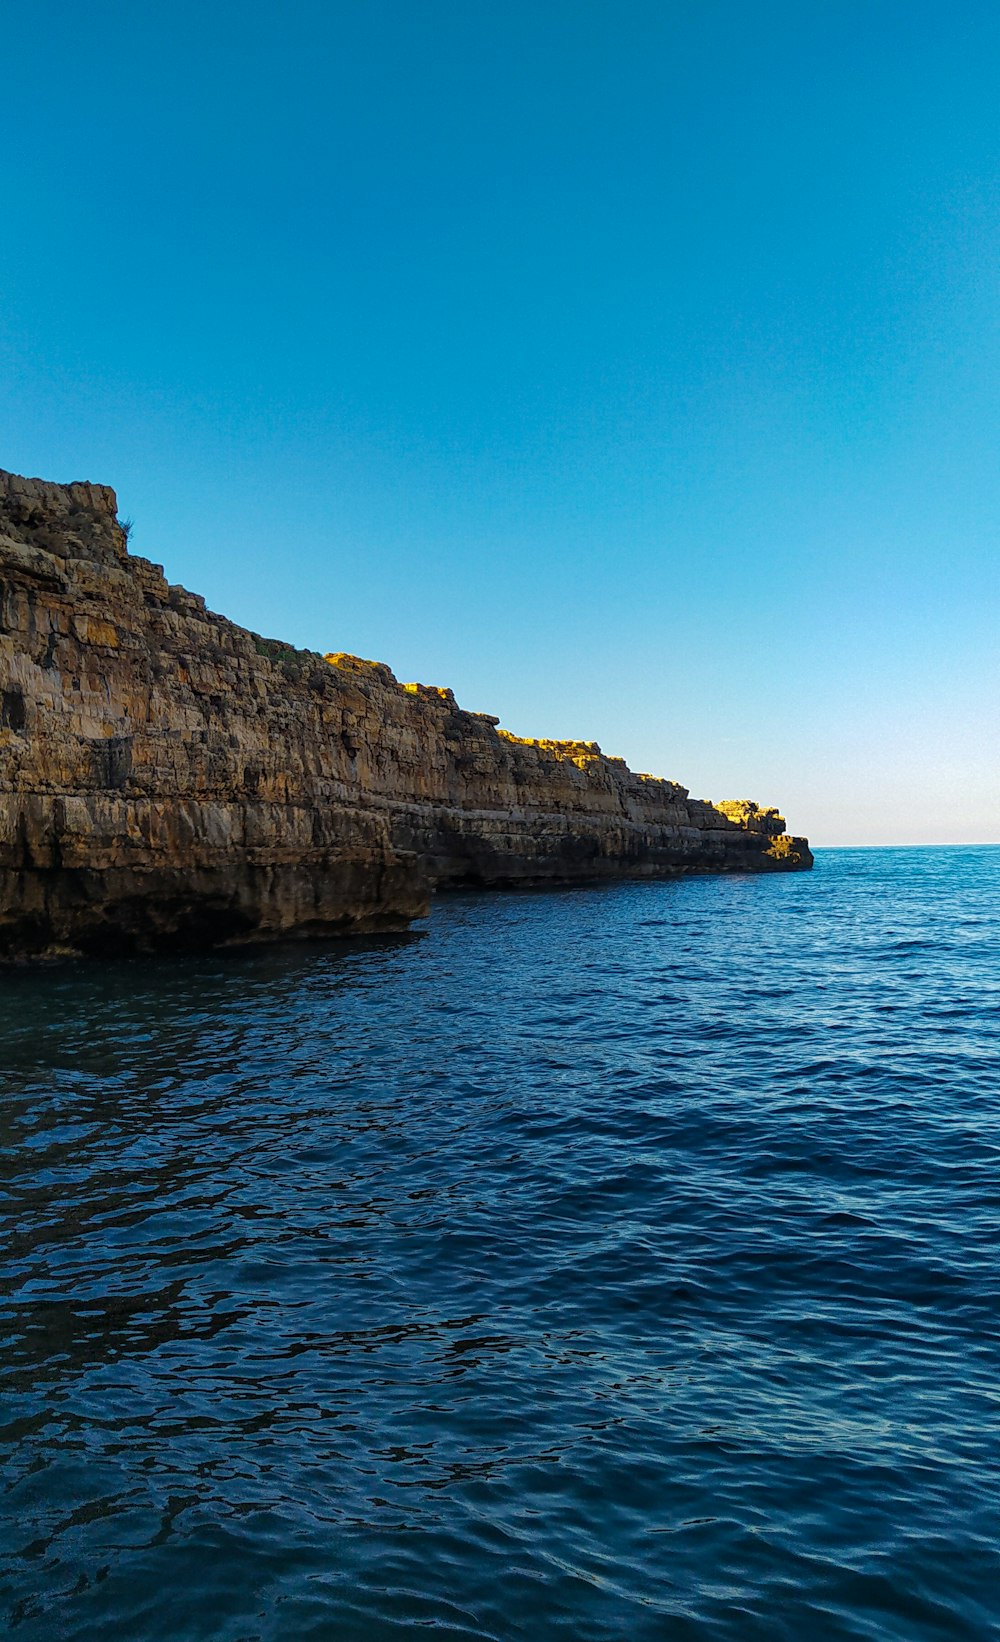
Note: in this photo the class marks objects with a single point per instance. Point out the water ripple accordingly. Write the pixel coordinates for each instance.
(602, 1264)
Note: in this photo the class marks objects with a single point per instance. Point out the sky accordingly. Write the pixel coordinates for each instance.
(632, 368)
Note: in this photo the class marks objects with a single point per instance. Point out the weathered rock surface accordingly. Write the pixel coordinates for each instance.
(168, 777)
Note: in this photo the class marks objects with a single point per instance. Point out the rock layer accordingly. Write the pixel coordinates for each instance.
(167, 777)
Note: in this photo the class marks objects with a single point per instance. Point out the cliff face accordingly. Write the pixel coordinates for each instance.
(166, 776)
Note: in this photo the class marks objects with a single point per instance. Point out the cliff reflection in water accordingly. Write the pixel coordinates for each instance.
(610, 1263)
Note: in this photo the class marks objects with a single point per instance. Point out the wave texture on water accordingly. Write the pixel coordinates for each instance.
(603, 1264)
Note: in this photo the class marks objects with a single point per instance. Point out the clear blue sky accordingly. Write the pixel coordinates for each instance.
(630, 367)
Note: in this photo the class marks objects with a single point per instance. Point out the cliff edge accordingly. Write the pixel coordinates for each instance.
(167, 777)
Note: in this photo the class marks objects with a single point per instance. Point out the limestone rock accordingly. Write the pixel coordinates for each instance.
(168, 777)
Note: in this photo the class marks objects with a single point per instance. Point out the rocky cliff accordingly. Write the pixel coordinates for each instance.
(168, 777)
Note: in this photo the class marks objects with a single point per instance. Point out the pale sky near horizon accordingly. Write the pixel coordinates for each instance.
(631, 368)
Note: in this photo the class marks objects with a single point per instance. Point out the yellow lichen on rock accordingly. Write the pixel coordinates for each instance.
(573, 750)
(92, 630)
(787, 851)
(357, 665)
(744, 812)
(430, 692)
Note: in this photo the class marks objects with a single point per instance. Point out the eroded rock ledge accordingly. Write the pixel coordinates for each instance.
(168, 777)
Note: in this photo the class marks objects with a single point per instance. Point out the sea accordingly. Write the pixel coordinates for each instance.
(595, 1265)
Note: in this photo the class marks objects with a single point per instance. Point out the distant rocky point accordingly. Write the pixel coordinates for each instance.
(168, 778)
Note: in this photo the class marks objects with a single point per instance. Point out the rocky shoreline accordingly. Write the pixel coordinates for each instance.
(168, 778)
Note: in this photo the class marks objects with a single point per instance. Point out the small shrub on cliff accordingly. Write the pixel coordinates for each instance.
(273, 649)
(294, 664)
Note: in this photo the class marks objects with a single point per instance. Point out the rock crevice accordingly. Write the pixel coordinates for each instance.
(167, 777)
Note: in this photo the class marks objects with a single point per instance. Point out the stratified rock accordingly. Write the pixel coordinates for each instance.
(168, 777)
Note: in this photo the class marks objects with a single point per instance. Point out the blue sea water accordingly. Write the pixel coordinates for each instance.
(602, 1264)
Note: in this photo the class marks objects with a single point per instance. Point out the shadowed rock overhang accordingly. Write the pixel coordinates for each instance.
(168, 778)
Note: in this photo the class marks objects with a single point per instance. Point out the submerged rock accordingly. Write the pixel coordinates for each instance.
(167, 777)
